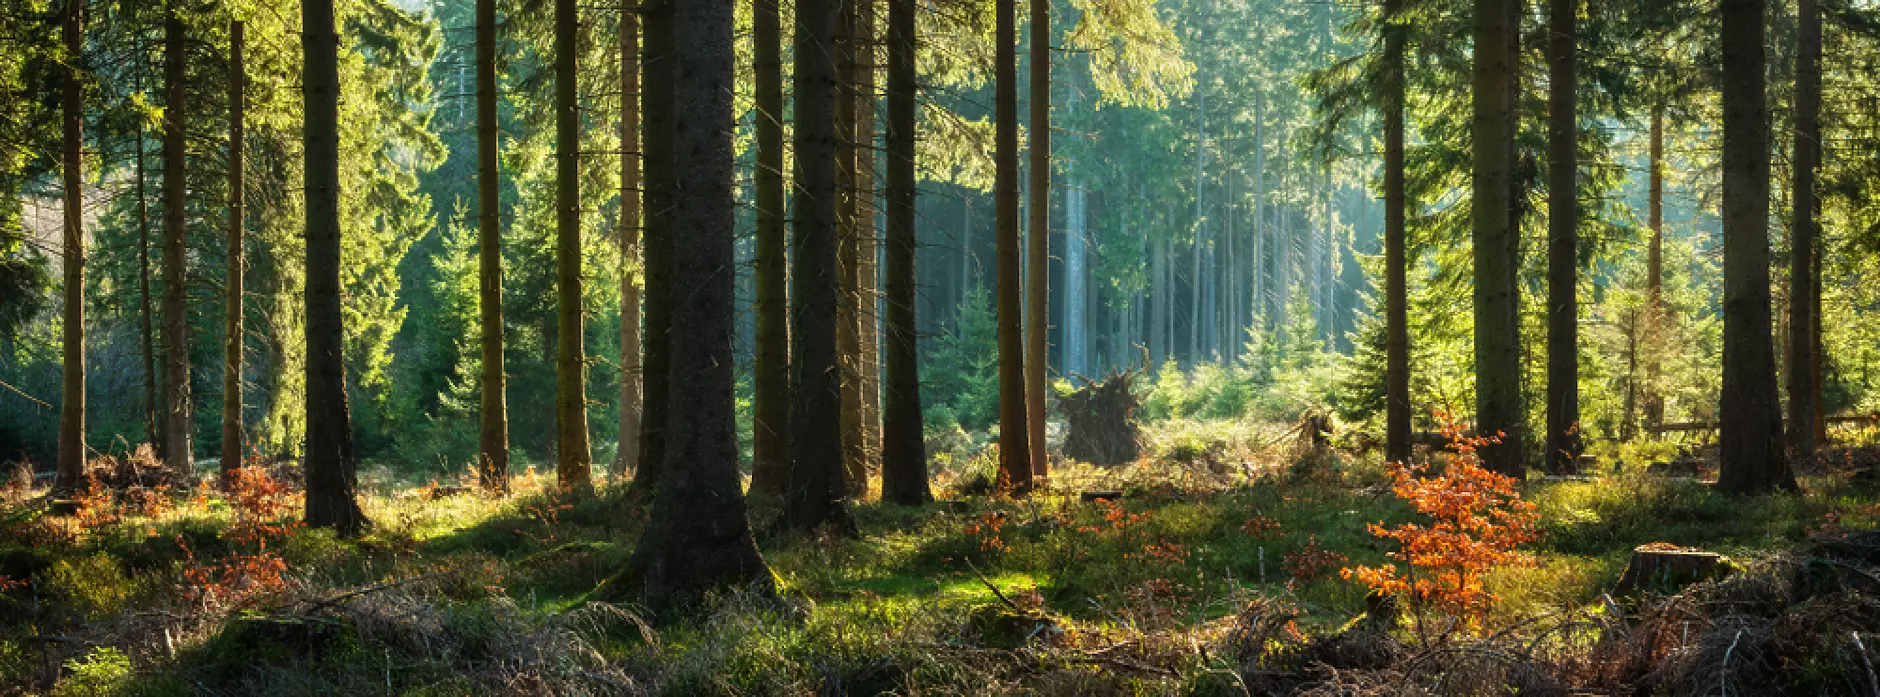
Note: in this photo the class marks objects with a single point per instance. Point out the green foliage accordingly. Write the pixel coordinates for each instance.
(962, 371)
(103, 672)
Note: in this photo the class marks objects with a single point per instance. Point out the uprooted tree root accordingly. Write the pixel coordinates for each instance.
(1102, 418)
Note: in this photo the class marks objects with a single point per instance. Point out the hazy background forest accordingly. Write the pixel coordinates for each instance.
(1059, 347)
(1198, 177)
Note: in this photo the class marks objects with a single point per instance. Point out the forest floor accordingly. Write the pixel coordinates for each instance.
(1215, 570)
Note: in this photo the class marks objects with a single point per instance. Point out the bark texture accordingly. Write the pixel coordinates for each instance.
(818, 494)
(1396, 287)
(770, 453)
(179, 455)
(1038, 274)
(1563, 241)
(658, 90)
(903, 446)
(698, 538)
(1014, 450)
(573, 459)
(493, 428)
(1498, 405)
(627, 457)
(331, 470)
(1750, 459)
(71, 465)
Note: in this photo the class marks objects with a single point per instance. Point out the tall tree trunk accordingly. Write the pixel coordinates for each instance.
(1654, 279)
(573, 460)
(178, 454)
(903, 449)
(1396, 258)
(153, 432)
(818, 492)
(1497, 342)
(698, 538)
(493, 429)
(867, 239)
(848, 252)
(770, 464)
(659, 85)
(1563, 242)
(1014, 448)
(1804, 270)
(1037, 304)
(1259, 210)
(331, 470)
(627, 456)
(237, 263)
(71, 467)
(1750, 458)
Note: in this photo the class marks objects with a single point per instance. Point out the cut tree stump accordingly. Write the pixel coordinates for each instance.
(1102, 417)
(1665, 565)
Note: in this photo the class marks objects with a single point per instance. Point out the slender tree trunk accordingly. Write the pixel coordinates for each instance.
(1259, 210)
(627, 457)
(493, 429)
(1804, 270)
(867, 239)
(1750, 458)
(1037, 305)
(1158, 312)
(153, 432)
(71, 466)
(331, 470)
(1014, 449)
(573, 459)
(237, 263)
(1497, 341)
(659, 87)
(1563, 242)
(698, 538)
(1396, 258)
(179, 455)
(903, 449)
(818, 492)
(770, 465)
(1654, 281)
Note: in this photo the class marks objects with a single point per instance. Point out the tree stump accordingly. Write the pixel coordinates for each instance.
(1102, 419)
(1666, 565)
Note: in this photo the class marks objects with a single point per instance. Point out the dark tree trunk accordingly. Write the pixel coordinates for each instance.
(848, 251)
(1396, 294)
(770, 450)
(331, 470)
(818, 494)
(179, 456)
(659, 84)
(627, 455)
(698, 538)
(1037, 305)
(903, 449)
(1750, 456)
(1804, 271)
(1498, 405)
(1563, 242)
(493, 432)
(573, 459)
(1014, 450)
(237, 263)
(71, 466)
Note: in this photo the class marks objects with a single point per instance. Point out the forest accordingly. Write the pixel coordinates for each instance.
(939, 347)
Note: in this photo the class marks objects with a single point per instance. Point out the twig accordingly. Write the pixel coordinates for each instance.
(995, 589)
(349, 595)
